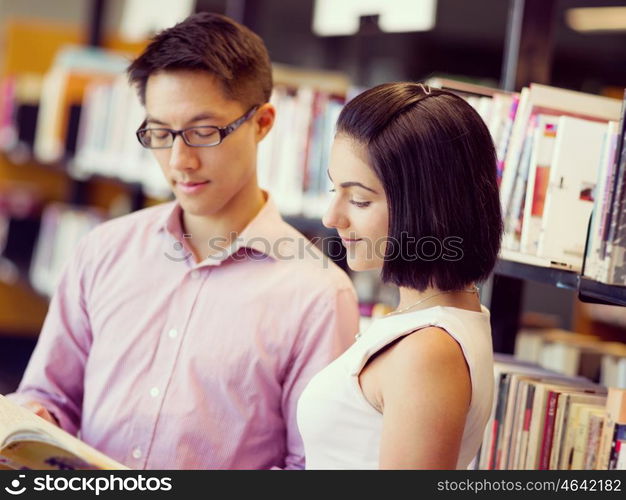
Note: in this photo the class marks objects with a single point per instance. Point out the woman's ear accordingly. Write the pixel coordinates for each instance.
(264, 120)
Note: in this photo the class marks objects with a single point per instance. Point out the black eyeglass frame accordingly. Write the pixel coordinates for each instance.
(222, 131)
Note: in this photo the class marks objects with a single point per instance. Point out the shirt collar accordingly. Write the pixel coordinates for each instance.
(266, 234)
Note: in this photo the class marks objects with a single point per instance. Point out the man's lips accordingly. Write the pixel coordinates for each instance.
(191, 186)
(190, 183)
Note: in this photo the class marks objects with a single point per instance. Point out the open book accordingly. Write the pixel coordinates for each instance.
(30, 442)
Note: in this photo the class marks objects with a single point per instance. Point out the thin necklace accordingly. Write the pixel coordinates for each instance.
(474, 289)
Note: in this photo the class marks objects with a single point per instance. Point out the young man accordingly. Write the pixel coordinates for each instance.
(181, 336)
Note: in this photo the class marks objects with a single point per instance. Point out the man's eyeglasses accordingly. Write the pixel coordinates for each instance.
(197, 137)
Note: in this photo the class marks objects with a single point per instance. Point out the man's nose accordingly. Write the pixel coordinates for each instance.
(183, 157)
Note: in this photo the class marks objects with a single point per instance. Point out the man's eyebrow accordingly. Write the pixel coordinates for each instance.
(196, 118)
(150, 119)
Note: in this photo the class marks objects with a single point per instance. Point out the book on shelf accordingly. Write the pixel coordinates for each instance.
(81, 112)
(543, 420)
(530, 159)
(508, 429)
(62, 227)
(554, 101)
(512, 230)
(571, 425)
(107, 145)
(598, 230)
(504, 138)
(549, 182)
(538, 176)
(573, 174)
(63, 89)
(19, 108)
(616, 232)
(501, 118)
(30, 442)
(614, 421)
(582, 444)
(293, 158)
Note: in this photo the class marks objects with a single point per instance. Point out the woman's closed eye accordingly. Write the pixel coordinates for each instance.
(356, 203)
(360, 204)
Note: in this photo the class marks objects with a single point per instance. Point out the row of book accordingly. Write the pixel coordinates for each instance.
(542, 420)
(37, 238)
(560, 152)
(62, 227)
(560, 159)
(294, 157)
(82, 114)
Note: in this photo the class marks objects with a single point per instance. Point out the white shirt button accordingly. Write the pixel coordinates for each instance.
(195, 274)
(173, 333)
(137, 453)
(154, 392)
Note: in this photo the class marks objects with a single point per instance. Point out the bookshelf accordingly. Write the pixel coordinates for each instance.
(29, 48)
(521, 64)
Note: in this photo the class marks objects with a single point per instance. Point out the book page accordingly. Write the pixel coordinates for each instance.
(26, 438)
(31, 453)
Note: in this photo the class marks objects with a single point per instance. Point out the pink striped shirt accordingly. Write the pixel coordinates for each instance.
(164, 363)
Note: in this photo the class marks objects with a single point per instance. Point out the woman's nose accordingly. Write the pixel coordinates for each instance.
(333, 218)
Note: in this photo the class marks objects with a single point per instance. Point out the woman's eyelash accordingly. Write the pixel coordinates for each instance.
(360, 204)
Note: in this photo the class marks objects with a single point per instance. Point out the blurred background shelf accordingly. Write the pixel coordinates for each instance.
(601, 293)
(539, 274)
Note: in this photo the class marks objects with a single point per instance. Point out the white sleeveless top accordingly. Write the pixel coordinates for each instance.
(342, 430)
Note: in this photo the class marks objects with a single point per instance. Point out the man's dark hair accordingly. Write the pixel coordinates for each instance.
(437, 163)
(209, 42)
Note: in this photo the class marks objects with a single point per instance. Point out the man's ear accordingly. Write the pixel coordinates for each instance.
(264, 120)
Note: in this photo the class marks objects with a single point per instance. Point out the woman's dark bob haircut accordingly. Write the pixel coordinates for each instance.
(437, 163)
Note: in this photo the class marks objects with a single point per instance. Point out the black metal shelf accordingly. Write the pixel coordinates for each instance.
(589, 290)
(600, 293)
(547, 275)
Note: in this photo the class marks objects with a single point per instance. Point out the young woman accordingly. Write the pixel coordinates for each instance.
(414, 175)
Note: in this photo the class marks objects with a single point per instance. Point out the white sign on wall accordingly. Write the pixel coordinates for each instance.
(142, 19)
(342, 17)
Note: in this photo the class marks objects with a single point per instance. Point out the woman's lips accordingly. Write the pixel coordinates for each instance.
(350, 241)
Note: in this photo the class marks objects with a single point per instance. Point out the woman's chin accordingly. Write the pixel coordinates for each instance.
(363, 264)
